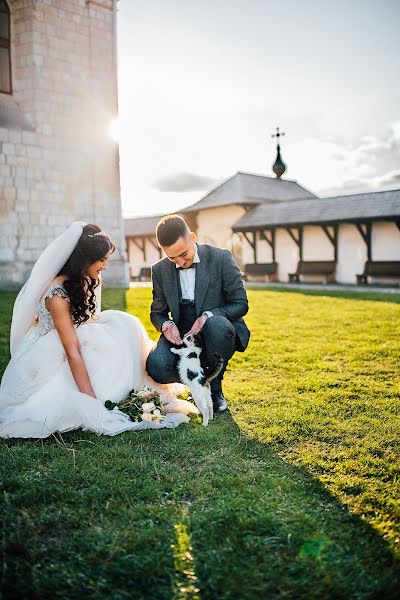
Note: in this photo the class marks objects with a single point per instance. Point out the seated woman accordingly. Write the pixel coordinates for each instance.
(68, 358)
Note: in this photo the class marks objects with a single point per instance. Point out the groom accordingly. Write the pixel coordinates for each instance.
(196, 288)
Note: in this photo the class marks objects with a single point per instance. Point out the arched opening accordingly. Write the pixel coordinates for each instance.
(5, 49)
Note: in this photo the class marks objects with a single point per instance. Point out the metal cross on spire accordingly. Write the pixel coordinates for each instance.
(277, 134)
(279, 166)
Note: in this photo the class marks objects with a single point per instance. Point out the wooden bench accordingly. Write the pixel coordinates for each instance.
(379, 268)
(325, 268)
(144, 275)
(259, 269)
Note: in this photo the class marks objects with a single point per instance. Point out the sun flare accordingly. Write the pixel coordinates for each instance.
(113, 129)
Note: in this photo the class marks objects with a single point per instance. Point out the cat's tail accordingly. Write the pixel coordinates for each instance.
(216, 371)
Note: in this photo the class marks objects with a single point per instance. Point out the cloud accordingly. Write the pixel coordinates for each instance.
(330, 167)
(391, 178)
(184, 182)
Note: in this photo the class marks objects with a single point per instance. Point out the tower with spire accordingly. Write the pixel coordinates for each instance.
(279, 166)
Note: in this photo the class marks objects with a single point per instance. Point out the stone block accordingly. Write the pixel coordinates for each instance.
(20, 182)
(34, 218)
(20, 150)
(33, 152)
(35, 206)
(6, 254)
(21, 206)
(9, 193)
(21, 161)
(8, 148)
(23, 195)
(19, 171)
(37, 60)
(5, 170)
(15, 137)
(28, 138)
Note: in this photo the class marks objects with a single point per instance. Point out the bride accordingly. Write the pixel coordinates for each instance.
(67, 357)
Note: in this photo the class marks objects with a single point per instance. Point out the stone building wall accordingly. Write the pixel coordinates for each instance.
(58, 163)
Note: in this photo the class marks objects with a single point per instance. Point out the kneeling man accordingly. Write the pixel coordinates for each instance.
(196, 288)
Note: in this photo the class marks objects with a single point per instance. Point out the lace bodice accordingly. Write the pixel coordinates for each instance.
(45, 321)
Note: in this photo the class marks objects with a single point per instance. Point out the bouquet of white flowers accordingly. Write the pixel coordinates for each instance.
(142, 405)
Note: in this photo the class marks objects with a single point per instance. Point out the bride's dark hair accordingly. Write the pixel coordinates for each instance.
(79, 286)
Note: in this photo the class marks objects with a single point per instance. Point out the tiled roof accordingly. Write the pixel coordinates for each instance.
(242, 188)
(247, 188)
(141, 226)
(370, 205)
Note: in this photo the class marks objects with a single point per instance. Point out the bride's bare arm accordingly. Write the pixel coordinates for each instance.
(59, 310)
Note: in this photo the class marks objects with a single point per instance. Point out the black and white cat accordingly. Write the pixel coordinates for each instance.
(191, 374)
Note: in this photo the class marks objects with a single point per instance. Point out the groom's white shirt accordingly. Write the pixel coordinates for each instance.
(188, 279)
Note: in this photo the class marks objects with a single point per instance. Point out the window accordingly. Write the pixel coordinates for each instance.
(5, 50)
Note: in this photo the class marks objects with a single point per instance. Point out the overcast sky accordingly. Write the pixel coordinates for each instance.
(204, 83)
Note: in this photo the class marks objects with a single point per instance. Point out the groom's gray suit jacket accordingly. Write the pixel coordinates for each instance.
(219, 289)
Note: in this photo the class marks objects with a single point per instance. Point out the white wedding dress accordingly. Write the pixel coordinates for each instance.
(39, 396)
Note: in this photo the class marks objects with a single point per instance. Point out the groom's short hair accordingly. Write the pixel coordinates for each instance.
(170, 229)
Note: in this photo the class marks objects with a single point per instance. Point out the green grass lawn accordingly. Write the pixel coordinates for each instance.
(295, 494)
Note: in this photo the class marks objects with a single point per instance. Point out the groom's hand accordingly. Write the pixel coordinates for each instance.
(171, 333)
(198, 325)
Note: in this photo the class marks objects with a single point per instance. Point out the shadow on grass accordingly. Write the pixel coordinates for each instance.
(369, 296)
(189, 513)
(282, 534)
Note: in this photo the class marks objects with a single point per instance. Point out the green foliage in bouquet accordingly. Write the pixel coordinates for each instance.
(138, 403)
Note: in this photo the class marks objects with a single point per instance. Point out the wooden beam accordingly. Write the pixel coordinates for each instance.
(153, 242)
(297, 239)
(329, 235)
(269, 239)
(291, 232)
(244, 234)
(365, 230)
(251, 243)
(141, 247)
(333, 237)
(135, 241)
(361, 231)
(369, 236)
(301, 230)
(255, 246)
(336, 240)
(273, 235)
(264, 236)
